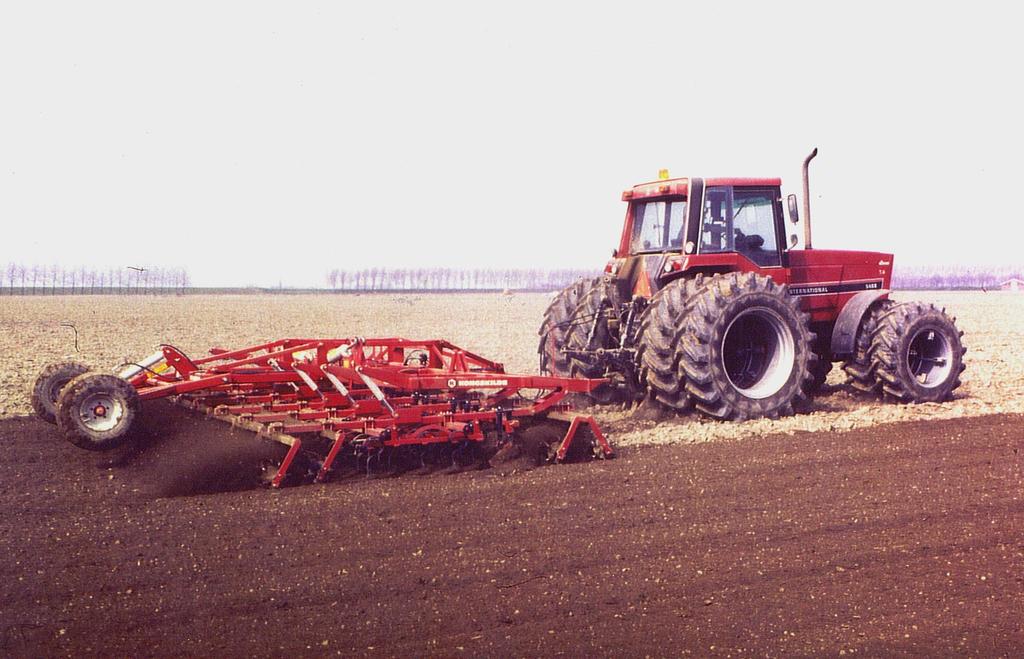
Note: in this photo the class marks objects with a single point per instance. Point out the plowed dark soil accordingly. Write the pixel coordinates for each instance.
(900, 539)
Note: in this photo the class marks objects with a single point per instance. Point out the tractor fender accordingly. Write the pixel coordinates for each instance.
(844, 333)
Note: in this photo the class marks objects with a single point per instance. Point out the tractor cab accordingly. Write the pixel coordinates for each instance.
(707, 304)
(673, 221)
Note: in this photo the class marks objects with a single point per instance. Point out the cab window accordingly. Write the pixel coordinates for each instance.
(658, 225)
(740, 220)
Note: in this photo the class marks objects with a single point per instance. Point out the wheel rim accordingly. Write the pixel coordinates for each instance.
(929, 357)
(758, 352)
(101, 412)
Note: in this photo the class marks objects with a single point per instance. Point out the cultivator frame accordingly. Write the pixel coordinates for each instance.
(363, 394)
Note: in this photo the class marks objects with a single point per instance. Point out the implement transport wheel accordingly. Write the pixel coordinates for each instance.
(918, 352)
(48, 386)
(861, 366)
(657, 356)
(746, 349)
(590, 330)
(96, 411)
(558, 319)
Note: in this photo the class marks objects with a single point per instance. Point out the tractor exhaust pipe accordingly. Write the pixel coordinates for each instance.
(807, 200)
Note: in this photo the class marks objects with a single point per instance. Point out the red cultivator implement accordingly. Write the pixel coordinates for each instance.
(367, 398)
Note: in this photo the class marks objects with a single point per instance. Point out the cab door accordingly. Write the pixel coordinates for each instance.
(744, 220)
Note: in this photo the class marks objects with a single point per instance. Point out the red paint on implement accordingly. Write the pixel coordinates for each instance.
(395, 391)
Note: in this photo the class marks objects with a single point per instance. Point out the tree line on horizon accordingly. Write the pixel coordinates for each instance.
(539, 279)
(453, 279)
(19, 279)
(953, 278)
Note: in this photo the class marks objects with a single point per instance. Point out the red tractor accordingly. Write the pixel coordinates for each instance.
(708, 304)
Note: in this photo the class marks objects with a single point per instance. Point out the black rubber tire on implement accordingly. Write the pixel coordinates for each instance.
(555, 327)
(861, 366)
(756, 369)
(597, 303)
(48, 386)
(657, 353)
(81, 423)
(918, 353)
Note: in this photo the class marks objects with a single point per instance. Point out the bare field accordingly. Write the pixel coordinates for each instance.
(114, 329)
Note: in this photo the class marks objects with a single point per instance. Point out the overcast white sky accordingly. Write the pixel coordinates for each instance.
(262, 143)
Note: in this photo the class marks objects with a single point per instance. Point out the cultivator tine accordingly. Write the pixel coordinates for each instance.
(282, 471)
(339, 441)
(576, 422)
(373, 452)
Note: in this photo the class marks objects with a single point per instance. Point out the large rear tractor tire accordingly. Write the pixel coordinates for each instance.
(558, 319)
(49, 384)
(918, 353)
(657, 354)
(96, 411)
(861, 366)
(746, 349)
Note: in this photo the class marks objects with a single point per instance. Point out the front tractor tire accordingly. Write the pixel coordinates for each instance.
(554, 329)
(745, 350)
(918, 353)
(657, 356)
(591, 331)
(96, 411)
(49, 384)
